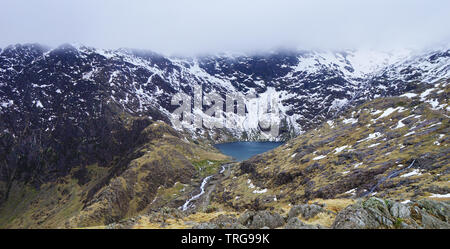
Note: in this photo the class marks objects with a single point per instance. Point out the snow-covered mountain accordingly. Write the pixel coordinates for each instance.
(43, 88)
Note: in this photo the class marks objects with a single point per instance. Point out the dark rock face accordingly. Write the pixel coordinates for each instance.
(247, 167)
(283, 178)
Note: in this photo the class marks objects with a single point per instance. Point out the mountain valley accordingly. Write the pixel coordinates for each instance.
(87, 139)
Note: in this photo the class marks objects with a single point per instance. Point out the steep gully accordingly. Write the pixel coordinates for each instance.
(189, 204)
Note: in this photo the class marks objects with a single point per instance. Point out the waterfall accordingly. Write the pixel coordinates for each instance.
(202, 188)
(195, 197)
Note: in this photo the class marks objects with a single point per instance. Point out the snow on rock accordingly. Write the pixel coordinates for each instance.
(338, 104)
(373, 145)
(415, 172)
(409, 95)
(262, 191)
(351, 191)
(389, 111)
(440, 195)
(319, 157)
(330, 123)
(339, 149)
(409, 133)
(350, 121)
(371, 136)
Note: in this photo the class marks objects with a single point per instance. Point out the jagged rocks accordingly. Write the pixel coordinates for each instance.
(373, 213)
(260, 219)
(376, 213)
(205, 225)
(399, 210)
(440, 210)
(228, 222)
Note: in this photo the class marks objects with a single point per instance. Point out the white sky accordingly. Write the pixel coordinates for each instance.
(196, 26)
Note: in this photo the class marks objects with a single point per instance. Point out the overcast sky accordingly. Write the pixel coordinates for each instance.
(190, 26)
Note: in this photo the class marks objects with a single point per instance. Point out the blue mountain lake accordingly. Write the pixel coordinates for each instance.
(241, 151)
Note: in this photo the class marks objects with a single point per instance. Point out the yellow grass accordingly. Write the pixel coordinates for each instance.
(144, 222)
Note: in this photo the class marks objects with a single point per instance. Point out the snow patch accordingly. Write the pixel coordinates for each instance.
(415, 172)
(350, 121)
(409, 95)
(339, 149)
(389, 111)
(319, 157)
(262, 191)
(440, 196)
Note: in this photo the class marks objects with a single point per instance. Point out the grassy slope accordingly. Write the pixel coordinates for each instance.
(164, 160)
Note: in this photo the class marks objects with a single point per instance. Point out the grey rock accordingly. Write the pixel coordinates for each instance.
(259, 219)
(379, 210)
(190, 223)
(437, 209)
(430, 222)
(399, 210)
(376, 213)
(307, 211)
(205, 225)
(354, 217)
(227, 222)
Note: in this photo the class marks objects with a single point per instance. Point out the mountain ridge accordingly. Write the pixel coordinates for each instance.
(300, 77)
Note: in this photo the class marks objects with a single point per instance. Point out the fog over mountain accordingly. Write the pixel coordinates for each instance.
(202, 26)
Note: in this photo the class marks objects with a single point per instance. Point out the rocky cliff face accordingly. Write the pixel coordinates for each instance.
(39, 86)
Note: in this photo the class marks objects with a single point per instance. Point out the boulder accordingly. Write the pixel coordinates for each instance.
(205, 225)
(376, 213)
(399, 210)
(260, 219)
(307, 211)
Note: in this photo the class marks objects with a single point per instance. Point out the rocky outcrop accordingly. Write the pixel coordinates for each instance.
(372, 213)
(306, 211)
(260, 219)
(376, 213)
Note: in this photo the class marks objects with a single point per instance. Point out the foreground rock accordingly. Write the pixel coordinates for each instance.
(373, 213)
(376, 213)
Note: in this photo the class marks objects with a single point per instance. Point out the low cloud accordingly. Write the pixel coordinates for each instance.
(204, 26)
